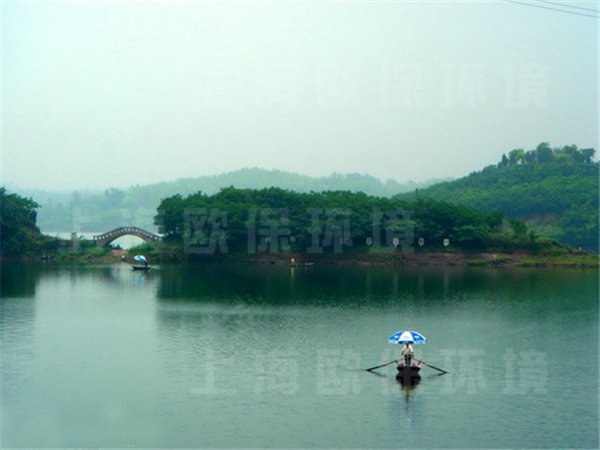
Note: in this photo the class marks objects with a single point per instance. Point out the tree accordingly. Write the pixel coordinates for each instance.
(530, 157)
(17, 222)
(516, 156)
(588, 154)
(544, 153)
(113, 198)
(471, 236)
(518, 226)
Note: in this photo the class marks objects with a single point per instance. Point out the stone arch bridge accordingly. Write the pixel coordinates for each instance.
(104, 239)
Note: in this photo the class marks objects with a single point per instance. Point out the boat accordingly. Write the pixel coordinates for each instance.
(306, 264)
(408, 375)
(143, 259)
(408, 372)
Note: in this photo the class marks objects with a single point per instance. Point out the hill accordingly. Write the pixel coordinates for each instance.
(101, 211)
(553, 191)
(276, 226)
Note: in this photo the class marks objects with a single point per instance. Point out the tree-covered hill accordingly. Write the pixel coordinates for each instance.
(102, 211)
(256, 178)
(555, 191)
(333, 222)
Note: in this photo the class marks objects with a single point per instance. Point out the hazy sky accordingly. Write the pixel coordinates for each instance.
(111, 94)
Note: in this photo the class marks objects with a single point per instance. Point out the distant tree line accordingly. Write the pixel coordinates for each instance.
(253, 221)
(543, 153)
(112, 208)
(274, 220)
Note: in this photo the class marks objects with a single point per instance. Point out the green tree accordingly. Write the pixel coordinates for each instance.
(588, 154)
(530, 157)
(17, 221)
(518, 226)
(516, 156)
(544, 153)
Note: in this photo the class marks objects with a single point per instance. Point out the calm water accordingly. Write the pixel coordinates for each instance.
(233, 357)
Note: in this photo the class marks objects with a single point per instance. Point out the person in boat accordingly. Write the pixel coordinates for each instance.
(408, 353)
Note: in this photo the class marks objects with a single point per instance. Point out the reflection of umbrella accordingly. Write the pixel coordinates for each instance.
(140, 258)
(407, 337)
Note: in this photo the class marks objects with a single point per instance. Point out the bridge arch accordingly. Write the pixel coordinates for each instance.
(104, 239)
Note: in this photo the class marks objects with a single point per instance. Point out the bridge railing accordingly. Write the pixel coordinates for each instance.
(124, 231)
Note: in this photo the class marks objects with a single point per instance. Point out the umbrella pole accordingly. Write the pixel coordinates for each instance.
(433, 367)
(382, 365)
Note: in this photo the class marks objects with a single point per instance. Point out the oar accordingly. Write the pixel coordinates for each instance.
(383, 365)
(433, 367)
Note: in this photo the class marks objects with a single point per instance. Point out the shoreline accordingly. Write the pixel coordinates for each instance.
(433, 259)
(355, 258)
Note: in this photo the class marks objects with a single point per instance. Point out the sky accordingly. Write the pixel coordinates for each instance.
(112, 94)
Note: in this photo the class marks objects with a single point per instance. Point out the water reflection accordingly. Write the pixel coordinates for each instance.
(407, 406)
(322, 285)
(238, 356)
(18, 279)
(408, 380)
(18, 287)
(376, 286)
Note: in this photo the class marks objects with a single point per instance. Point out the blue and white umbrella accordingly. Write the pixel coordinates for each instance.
(140, 258)
(407, 337)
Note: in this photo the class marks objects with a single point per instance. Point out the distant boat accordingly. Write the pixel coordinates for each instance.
(143, 259)
(306, 264)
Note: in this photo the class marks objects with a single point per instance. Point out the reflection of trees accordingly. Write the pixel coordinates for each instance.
(21, 279)
(410, 288)
(18, 279)
(109, 276)
(321, 285)
(267, 284)
(18, 283)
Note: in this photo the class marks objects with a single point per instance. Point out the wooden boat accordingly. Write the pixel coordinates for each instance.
(141, 267)
(408, 375)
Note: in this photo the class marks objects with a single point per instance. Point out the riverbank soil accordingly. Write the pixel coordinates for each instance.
(427, 259)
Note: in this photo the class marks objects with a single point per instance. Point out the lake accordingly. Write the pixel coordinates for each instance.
(217, 356)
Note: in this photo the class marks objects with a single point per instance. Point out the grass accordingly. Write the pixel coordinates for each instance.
(589, 260)
(489, 262)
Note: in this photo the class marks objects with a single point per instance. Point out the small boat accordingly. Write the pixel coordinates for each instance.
(408, 375)
(143, 259)
(306, 264)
